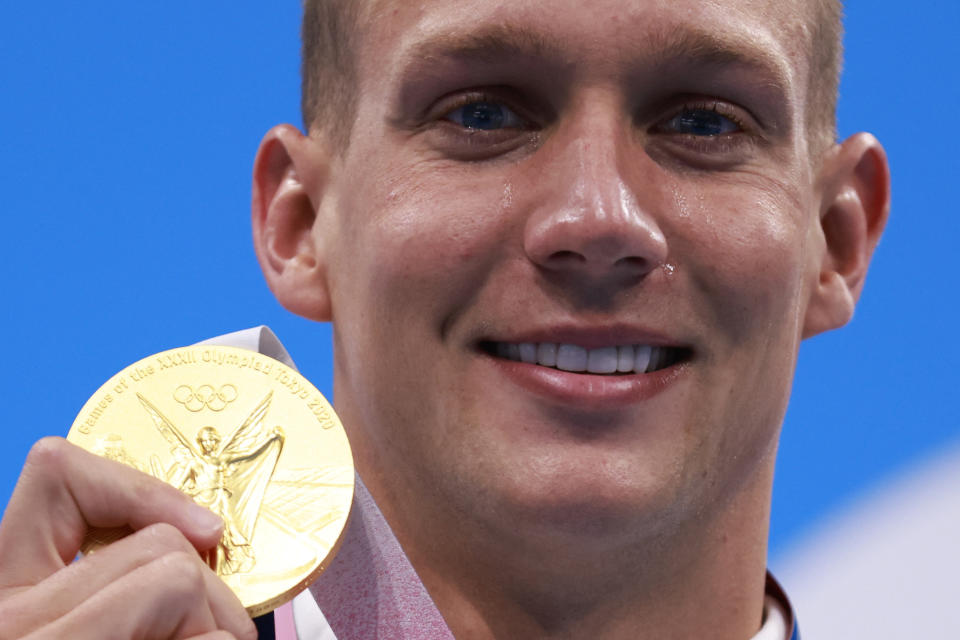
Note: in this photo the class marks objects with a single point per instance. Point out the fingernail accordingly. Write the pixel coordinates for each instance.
(205, 520)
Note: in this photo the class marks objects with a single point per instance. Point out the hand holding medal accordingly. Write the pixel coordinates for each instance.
(246, 437)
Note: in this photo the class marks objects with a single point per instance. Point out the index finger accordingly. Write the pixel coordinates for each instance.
(64, 490)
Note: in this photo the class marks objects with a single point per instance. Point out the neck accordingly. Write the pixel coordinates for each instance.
(701, 578)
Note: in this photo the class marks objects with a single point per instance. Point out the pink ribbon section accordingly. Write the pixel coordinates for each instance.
(371, 590)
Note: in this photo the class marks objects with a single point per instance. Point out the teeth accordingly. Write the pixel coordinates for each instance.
(603, 360)
(570, 357)
(547, 354)
(528, 352)
(656, 359)
(640, 358)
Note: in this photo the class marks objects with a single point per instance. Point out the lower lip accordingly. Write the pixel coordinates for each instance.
(588, 391)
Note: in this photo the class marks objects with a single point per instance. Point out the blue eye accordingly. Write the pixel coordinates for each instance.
(485, 116)
(701, 122)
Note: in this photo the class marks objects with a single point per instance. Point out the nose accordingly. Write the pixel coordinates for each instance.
(589, 221)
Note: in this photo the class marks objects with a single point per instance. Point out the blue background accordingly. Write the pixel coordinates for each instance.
(128, 131)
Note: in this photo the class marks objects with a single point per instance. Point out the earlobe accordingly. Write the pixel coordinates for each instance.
(289, 180)
(855, 204)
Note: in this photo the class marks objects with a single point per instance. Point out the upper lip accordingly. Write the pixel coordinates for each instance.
(590, 337)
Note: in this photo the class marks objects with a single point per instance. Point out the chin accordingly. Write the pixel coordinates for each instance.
(580, 504)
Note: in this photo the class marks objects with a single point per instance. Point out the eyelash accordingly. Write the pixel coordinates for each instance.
(711, 106)
(480, 143)
(475, 98)
(488, 140)
(746, 133)
(471, 97)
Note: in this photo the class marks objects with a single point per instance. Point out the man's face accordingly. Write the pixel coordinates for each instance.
(605, 175)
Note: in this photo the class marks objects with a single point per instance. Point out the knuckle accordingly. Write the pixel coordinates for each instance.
(166, 537)
(48, 453)
(141, 488)
(145, 488)
(181, 574)
(248, 632)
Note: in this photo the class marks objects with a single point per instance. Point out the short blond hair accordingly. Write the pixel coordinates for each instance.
(826, 64)
(328, 75)
(330, 34)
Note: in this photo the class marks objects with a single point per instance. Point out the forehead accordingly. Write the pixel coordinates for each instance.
(770, 35)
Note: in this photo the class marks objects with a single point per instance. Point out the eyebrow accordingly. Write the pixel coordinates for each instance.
(501, 43)
(709, 49)
(491, 44)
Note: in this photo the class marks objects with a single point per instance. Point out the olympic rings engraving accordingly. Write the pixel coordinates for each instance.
(205, 396)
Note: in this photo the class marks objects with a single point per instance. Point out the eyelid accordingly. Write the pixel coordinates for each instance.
(459, 142)
(510, 120)
(451, 102)
(707, 152)
(740, 117)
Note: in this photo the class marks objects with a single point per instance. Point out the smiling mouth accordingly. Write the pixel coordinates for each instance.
(614, 360)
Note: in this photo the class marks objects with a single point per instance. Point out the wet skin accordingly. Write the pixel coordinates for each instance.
(596, 174)
(564, 227)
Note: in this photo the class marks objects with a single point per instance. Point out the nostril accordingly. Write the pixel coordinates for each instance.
(567, 256)
(576, 260)
(595, 243)
(635, 263)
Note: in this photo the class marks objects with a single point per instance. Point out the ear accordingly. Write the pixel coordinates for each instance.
(855, 183)
(289, 179)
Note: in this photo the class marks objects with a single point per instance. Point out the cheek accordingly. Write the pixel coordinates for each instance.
(414, 247)
(745, 260)
(759, 298)
(436, 240)
(745, 263)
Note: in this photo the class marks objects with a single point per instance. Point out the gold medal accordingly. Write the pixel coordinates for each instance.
(245, 436)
